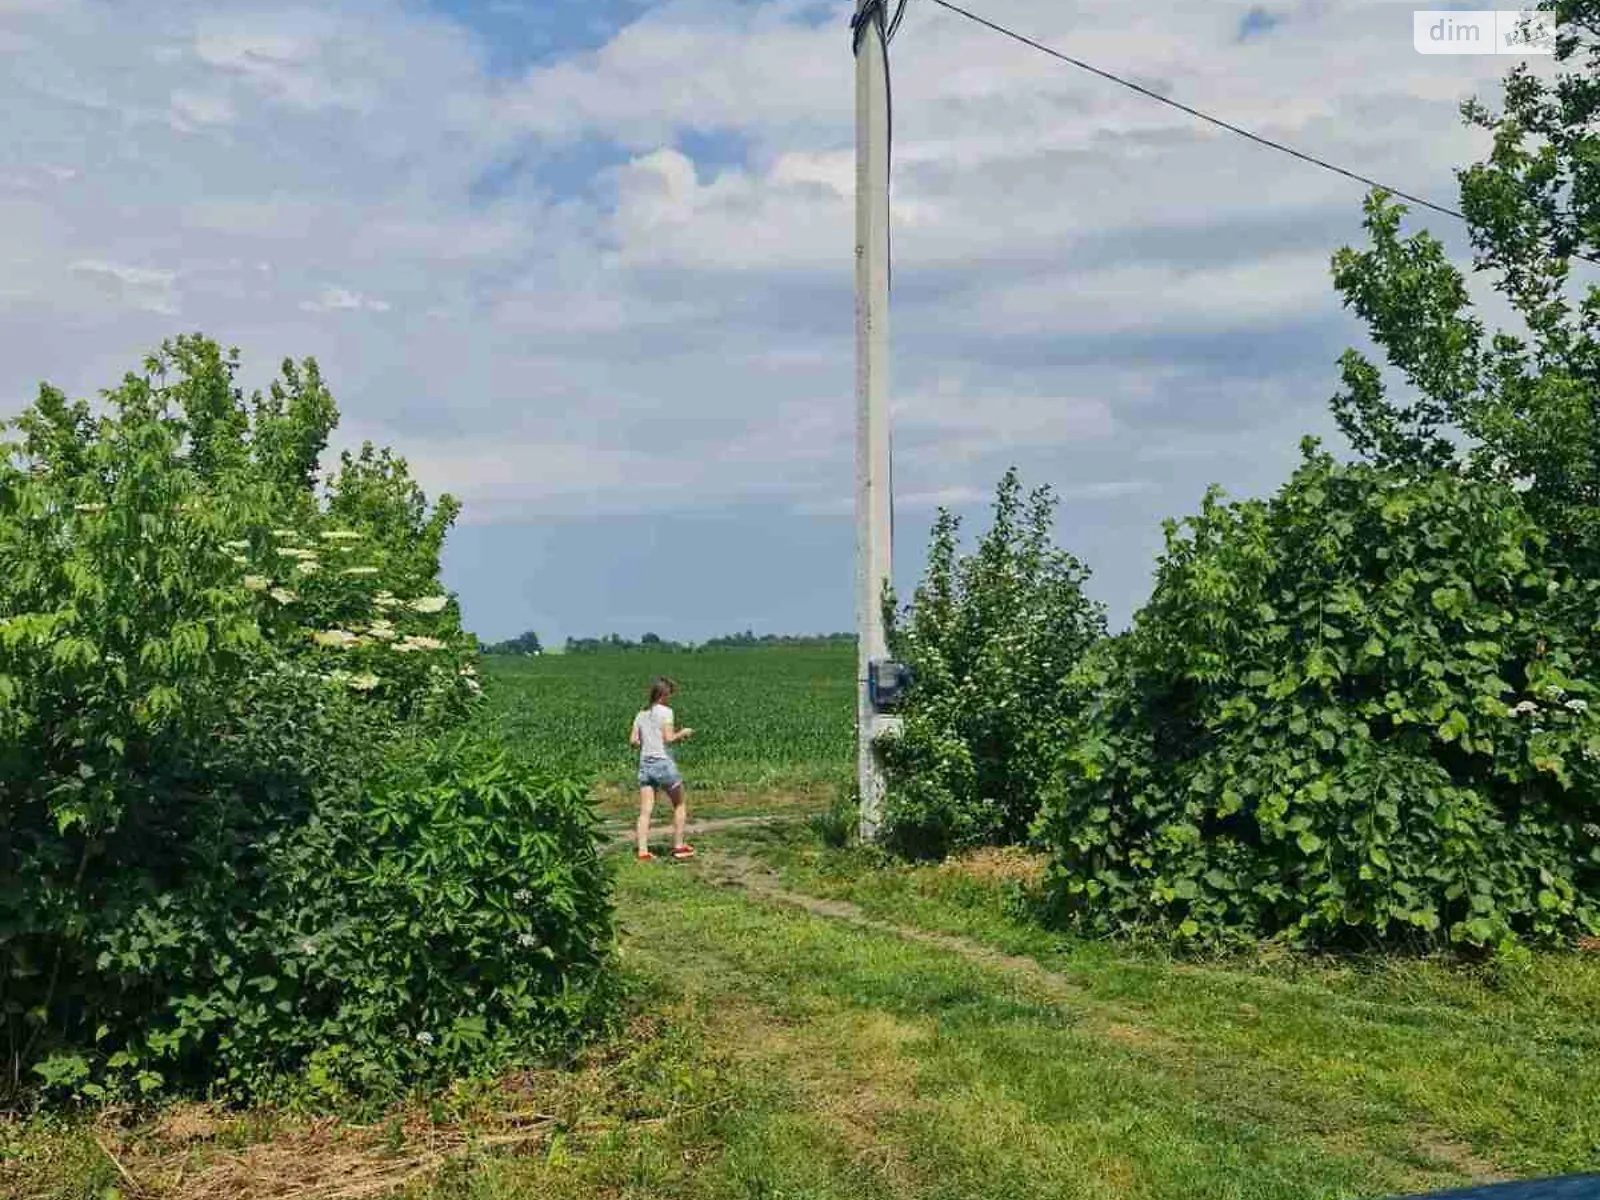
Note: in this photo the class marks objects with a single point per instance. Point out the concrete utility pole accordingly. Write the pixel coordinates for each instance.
(873, 550)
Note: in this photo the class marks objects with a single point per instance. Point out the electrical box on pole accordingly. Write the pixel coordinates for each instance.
(873, 548)
(887, 684)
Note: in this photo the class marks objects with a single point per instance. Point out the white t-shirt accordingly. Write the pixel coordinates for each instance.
(650, 725)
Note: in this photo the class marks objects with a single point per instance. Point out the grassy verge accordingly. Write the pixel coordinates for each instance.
(810, 1023)
(663, 1110)
(959, 1078)
(1505, 1065)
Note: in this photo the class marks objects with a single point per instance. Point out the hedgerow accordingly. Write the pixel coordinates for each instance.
(212, 671)
(1362, 710)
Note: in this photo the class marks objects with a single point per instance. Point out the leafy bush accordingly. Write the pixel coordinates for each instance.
(203, 663)
(1362, 709)
(450, 918)
(157, 901)
(990, 638)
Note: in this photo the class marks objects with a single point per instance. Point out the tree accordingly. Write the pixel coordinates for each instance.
(523, 643)
(1521, 407)
(990, 638)
(1365, 707)
(200, 658)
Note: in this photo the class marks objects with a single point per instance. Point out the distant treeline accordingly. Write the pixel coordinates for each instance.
(528, 643)
(523, 643)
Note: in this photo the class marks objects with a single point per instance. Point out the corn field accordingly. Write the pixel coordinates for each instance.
(764, 717)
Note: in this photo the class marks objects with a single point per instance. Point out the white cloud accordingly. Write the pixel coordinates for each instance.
(1236, 295)
(192, 109)
(338, 299)
(1085, 281)
(147, 288)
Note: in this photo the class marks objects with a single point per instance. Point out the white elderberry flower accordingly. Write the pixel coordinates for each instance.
(425, 1038)
(1526, 707)
(522, 895)
(527, 940)
(282, 595)
(1578, 706)
(256, 583)
(429, 604)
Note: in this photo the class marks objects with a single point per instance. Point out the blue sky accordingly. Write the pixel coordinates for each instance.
(588, 265)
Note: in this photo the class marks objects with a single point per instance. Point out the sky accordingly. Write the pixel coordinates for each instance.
(589, 266)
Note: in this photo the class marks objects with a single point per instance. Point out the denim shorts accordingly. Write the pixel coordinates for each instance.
(659, 772)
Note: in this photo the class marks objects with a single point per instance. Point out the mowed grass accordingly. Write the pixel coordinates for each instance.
(894, 1046)
(811, 1023)
(766, 718)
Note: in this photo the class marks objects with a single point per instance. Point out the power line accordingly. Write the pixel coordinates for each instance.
(1217, 121)
(1195, 112)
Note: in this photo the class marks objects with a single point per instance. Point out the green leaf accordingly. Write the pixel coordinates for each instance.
(1454, 726)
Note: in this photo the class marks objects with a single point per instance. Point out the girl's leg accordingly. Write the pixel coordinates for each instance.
(680, 814)
(647, 801)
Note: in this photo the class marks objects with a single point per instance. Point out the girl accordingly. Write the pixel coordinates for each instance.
(653, 732)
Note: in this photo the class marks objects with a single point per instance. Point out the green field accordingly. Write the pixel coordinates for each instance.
(765, 719)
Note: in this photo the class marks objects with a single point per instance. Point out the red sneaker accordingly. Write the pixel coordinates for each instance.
(684, 851)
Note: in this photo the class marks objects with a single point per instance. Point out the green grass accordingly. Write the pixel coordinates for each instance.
(765, 718)
(1507, 1065)
(776, 1051)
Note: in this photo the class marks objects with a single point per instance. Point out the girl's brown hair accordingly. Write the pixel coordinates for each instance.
(659, 691)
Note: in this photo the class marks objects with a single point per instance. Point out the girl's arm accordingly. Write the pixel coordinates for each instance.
(670, 734)
(633, 734)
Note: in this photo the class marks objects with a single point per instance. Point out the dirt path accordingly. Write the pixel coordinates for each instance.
(620, 837)
(733, 870)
